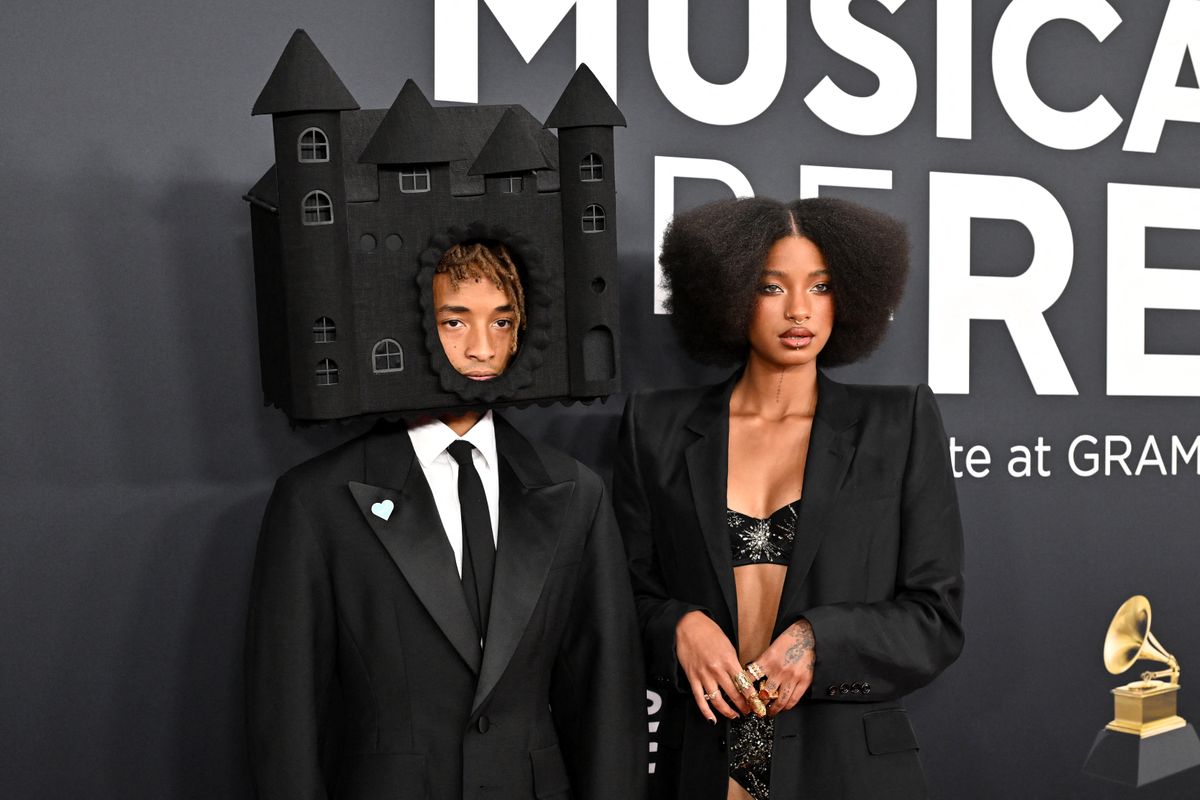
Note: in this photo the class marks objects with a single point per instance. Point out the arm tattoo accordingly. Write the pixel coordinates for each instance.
(802, 644)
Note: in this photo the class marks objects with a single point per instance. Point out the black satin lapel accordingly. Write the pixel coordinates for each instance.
(829, 456)
(414, 538)
(708, 469)
(530, 518)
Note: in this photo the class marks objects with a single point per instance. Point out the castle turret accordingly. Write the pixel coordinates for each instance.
(411, 132)
(305, 99)
(412, 148)
(585, 117)
(511, 154)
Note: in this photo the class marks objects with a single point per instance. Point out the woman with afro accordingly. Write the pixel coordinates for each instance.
(794, 543)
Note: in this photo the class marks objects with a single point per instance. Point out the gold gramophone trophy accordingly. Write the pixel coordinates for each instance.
(1146, 740)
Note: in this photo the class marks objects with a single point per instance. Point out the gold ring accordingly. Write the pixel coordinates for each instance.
(711, 695)
(757, 706)
(755, 671)
(742, 683)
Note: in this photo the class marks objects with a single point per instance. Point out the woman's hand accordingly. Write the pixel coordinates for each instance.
(788, 665)
(711, 664)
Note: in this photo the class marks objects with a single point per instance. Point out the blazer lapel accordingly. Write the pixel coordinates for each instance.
(708, 470)
(532, 508)
(830, 450)
(413, 535)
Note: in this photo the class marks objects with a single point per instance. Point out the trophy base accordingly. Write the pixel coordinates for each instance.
(1137, 760)
(1145, 708)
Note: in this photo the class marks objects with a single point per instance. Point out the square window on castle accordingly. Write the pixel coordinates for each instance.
(414, 180)
(512, 184)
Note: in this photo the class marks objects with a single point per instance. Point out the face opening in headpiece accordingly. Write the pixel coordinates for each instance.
(479, 308)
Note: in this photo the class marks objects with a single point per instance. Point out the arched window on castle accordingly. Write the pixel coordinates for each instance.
(327, 372)
(591, 168)
(324, 331)
(414, 179)
(594, 219)
(318, 209)
(387, 356)
(314, 146)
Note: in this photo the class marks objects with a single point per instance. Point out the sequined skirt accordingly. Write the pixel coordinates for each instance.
(750, 741)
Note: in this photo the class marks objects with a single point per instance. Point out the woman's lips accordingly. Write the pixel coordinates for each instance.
(796, 337)
(480, 376)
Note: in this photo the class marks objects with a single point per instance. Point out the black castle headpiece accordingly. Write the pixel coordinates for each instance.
(360, 205)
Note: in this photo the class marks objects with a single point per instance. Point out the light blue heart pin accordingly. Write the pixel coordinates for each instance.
(383, 510)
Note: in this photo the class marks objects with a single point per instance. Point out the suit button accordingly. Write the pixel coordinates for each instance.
(845, 688)
(856, 687)
(866, 688)
(832, 691)
(483, 725)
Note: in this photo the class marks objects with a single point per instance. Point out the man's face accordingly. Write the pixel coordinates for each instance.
(476, 324)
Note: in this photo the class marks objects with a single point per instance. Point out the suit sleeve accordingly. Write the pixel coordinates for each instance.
(290, 645)
(657, 611)
(902, 644)
(598, 692)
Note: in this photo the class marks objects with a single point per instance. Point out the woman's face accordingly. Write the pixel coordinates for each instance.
(794, 315)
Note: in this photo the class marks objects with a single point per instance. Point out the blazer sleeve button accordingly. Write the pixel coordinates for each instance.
(856, 687)
(845, 688)
(866, 688)
(832, 691)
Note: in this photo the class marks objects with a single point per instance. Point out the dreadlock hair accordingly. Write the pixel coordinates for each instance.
(487, 261)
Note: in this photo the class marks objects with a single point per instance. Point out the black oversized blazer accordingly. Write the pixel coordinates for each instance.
(876, 568)
(364, 675)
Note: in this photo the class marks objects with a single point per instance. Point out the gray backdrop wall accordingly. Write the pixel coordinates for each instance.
(137, 456)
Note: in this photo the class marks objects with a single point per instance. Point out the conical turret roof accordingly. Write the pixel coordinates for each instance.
(585, 103)
(512, 147)
(411, 133)
(303, 81)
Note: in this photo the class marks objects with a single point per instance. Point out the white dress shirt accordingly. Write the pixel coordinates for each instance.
(430, 441)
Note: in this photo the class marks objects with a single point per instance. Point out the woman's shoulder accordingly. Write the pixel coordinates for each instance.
(678, 401)
(891, 403)
(888, 398)
(884, 392)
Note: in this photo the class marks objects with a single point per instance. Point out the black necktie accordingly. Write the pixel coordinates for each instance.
(479, 549)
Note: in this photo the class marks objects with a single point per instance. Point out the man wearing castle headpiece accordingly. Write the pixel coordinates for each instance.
(440, 608)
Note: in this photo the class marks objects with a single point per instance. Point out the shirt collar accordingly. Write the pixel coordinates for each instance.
(431, 439)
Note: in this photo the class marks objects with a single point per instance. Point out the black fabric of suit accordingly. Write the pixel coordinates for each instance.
(876, 568)
(364, 674)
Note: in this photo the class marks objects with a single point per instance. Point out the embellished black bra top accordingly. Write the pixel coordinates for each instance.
(762, 541)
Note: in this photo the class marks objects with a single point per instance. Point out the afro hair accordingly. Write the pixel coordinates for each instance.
(713, 256)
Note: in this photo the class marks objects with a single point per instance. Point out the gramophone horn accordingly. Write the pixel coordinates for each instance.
(1129, 638)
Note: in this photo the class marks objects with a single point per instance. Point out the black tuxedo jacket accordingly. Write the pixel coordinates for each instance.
(364, 675)
(876, 568)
